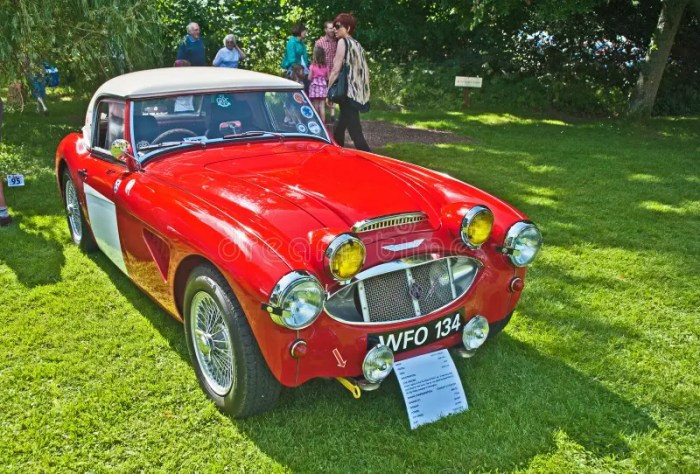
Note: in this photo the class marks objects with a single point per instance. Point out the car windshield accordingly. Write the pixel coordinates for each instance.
(202, 118)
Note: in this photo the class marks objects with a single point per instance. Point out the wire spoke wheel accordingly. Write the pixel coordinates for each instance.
(212, 343)
(225, 354)
(73, 211)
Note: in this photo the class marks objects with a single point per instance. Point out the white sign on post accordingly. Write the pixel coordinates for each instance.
(465, 81)
(431, 387)
(15, 180)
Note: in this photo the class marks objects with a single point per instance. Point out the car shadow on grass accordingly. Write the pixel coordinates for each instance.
(519, 400)
(34, 259)
(167, 326)
(32, 245)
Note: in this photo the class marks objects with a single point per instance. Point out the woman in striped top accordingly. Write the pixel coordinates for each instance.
(358, 82)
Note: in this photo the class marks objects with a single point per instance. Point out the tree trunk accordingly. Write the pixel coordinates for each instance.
(644, 93)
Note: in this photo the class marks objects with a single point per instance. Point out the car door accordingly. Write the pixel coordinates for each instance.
(101, 175)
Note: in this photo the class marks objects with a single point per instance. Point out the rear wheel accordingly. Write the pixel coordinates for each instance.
(79, 229)
(226, 357)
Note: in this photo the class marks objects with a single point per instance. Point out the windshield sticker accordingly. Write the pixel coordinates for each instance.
(307, 112)
(223, 101)
(314, 128)
(299, 98)
(301, 128)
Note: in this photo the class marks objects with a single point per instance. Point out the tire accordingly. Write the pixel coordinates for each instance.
(225, 355)
(77, 225)
(496, 328)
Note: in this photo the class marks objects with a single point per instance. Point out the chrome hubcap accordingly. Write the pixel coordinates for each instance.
(73, 211)
(212, 343)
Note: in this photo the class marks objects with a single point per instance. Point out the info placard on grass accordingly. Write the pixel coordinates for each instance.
(14, 180)
(431, 387)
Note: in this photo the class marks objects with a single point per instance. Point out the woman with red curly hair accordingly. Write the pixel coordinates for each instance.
(350, 52)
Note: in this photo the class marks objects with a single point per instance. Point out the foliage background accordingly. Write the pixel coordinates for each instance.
(580, 57)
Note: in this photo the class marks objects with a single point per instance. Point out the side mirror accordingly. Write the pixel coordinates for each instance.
(121, 150)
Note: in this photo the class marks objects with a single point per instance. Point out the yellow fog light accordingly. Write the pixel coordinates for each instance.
(345, 257)
(476, 226)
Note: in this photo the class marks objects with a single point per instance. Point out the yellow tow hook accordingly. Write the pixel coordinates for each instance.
(354, 388)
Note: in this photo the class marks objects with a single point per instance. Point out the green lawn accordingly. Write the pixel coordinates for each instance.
(598, 371)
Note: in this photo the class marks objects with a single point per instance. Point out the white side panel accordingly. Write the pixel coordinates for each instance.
(103, 220)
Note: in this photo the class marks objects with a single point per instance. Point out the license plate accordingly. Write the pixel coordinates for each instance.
(418, 336)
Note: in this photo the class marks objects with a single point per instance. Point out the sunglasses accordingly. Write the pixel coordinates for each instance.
(338, 26)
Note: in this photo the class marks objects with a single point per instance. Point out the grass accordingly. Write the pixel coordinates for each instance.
(598, 370)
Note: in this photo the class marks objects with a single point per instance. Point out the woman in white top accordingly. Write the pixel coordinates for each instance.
(230, 54)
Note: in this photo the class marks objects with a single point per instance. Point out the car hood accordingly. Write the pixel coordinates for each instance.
(282, 192)
(335, 187)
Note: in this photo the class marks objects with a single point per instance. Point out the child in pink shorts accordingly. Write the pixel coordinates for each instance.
(318, 75)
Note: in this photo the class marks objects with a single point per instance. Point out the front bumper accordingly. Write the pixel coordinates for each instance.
(335, 349)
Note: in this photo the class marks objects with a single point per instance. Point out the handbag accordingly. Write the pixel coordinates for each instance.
(338, 91)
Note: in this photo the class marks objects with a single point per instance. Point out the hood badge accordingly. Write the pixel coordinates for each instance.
(404, 246)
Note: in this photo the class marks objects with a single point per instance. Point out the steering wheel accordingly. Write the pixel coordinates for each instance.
(167, 133)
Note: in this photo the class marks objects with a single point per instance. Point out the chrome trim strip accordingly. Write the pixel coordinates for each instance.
(395, 266)
(363, 301)
(393, 220)
(452, 279)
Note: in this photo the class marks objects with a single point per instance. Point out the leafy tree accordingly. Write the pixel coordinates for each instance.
(646, 89)
(259, 25)
(89, 40)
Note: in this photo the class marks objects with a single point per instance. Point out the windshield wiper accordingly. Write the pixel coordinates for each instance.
(167, 144)
(253, 133)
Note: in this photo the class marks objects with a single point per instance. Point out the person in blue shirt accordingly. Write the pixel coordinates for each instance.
(230, 54)
(295, 52)
(192, 47)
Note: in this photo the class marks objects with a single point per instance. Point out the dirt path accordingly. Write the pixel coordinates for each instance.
(380, 134)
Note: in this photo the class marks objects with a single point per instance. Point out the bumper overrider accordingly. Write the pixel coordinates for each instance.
(399, 309)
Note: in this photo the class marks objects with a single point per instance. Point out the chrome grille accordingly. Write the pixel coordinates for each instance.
(434, 279)
(388, 298)
(389, 221)
(403, 289)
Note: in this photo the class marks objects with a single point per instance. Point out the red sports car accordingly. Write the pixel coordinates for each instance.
(220, 193)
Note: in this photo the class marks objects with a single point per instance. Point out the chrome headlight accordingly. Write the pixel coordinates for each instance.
(476, 226)
(296, 300)
(475, 333)
(378, 364)
(344, 257)
(523, 242)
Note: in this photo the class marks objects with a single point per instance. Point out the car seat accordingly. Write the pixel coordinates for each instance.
(225, 108)
(145, 130)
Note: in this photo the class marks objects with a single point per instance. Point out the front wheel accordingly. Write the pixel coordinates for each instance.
(226, 357)
(496, 328)
(79, 230)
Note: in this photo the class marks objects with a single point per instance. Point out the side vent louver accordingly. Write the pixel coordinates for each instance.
(159, 251)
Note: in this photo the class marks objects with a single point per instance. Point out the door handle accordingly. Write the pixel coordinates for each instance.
(82, 172)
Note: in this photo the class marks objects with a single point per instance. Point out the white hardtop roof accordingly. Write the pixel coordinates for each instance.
(176, 80)
(183, 80)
